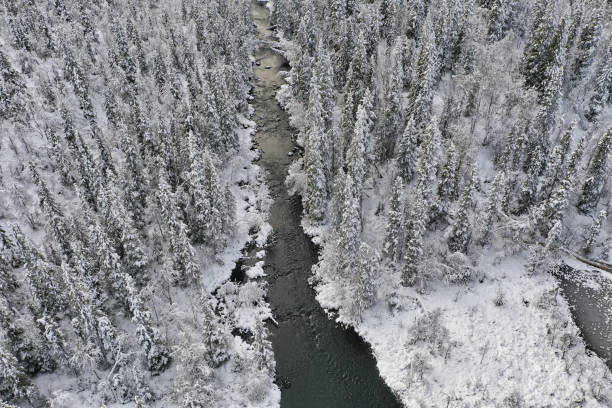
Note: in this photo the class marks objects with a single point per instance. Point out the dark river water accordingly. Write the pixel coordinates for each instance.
(589, 294)
(319, 364)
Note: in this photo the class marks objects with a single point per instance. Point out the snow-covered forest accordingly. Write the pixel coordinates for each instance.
(456, 154)
(127, 191)
(454, 159)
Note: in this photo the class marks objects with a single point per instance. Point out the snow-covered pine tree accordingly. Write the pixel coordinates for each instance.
(43, 277)
(407, 151)
(552, 210)
(533, 62)
(315, 196)
(556, 161)
(392, 247)
(357, 155)
(156, 355)
(364, 286)
(596, 174)
(390, 122)
(91, 324)
(528, 192)
(119, 226)
(422, 90)
(214, 335)
(185, 269)
(134, 182)
(603, 90)
(588, 42)
(14, 384)
(493, 207)
(18, 341)
(591, 234)
(415, 222)
(461, 233)
(446, 187)
(349, 230)
(263, 356)
(428, 161)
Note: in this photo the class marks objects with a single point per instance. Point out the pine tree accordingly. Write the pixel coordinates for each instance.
(184, 266)
(415, 228)
(156, 354)
(91, 324)
(552, 210)
(533, 62)
(407, 151)
(461, 233)
(357, 155)
(364, 289)
(587, 43)
(603, 90)
(120, 228)
(497, 19)
(218, 199)
(596, 174)
(392, 246)
(575, 159)
(592, 233)
(350, 228)
(417, 13)
(426, 169)
(446, 187)
(214, 335)
(14, 384)
(540, 257)
(262, 351)
(556, 160)
(421, 93)
(529, 187)
(493, 207)
(315, 196)
(18, 341)
(391, 119)
(42, 276)
(55, 340)
(203, 226)
(347, 121)
(134, 183)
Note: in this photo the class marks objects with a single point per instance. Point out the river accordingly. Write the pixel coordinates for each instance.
(589, 294)
(319, 364)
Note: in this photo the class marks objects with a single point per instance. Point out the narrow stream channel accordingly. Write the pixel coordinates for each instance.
(319, 364)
